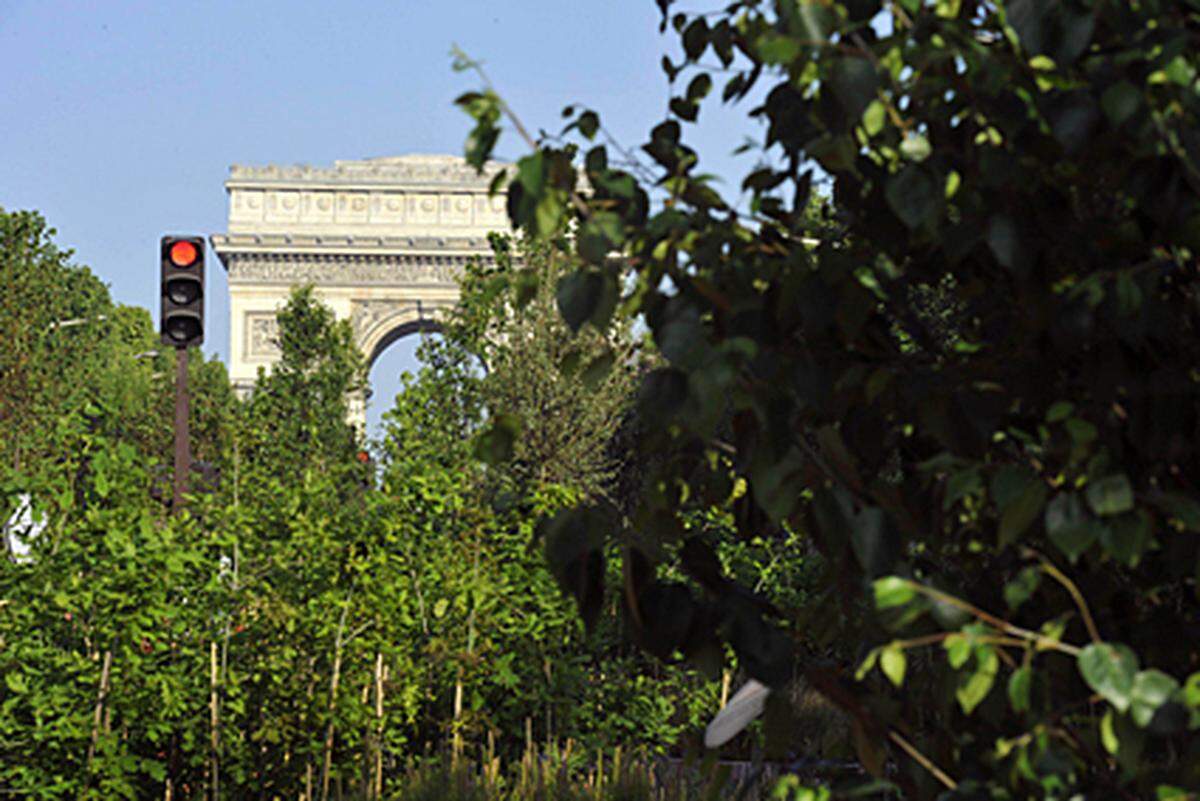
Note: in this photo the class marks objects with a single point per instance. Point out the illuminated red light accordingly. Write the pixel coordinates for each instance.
(183, 254)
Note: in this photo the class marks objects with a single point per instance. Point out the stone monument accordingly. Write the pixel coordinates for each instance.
(381, 241)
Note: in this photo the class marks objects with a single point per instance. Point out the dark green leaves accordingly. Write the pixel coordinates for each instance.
(495, 444)
(1120, 101)
(484, 108)
(854, 83)
(1069, 527)
(914, 195)
(1110, 496)
(667, 610)
(1151, 690)
(1019, 684)
(574, 551)
(586, 295)
(1021, 505)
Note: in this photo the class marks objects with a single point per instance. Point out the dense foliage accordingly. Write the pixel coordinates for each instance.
(311, 621)
(977, 397)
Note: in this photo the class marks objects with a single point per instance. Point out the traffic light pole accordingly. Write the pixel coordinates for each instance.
(183, 450)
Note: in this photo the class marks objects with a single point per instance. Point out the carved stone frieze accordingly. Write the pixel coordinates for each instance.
(385, 270)
(366, 314)
(262, 335)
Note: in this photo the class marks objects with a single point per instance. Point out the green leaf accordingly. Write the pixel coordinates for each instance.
(1029, 19)
(1018, 688)
(1191, 691)
(588, 124)
(892, 591)
(1183, 508)
(531, 173)
(1127, 537)
(774, 48)
(1059, 411)
(1120, 101)
(699, 87)
(1108, 734)
(913, 195)
(1022, 588)
(953, 181)
(873, 541)
(958, 649)
(948, 9)
(854, 83)
(1020, 512)
(579, 296)
(1004, 241)
(598, 369)
(1109, 669)
(817, 20)
(867, 664)
(495, 444)
(916, 147)
(695, 38)
(1151, 689)
(874, 117)
(548, 214)
(16, 682)
(978, 684)
(1068, 527)
(893, 662)
(961, 484)
(1111, 495)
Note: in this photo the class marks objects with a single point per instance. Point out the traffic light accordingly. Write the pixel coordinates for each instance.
(182, 285)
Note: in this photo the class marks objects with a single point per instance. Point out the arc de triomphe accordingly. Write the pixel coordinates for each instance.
(381, 240)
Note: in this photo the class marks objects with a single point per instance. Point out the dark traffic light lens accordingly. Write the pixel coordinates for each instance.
(181, 293)
(183, 329)
(183, 254)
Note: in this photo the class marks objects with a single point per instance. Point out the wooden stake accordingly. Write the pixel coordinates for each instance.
(380, 677)
(214, 734)
(334, 680)
(98, 715)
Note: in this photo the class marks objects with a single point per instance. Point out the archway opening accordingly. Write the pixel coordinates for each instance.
(393, 356)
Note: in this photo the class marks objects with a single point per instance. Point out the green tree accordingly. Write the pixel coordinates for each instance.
(508, 380)
(1002, 483)
(296, 417)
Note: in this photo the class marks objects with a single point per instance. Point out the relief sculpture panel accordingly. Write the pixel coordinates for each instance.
(262, 335)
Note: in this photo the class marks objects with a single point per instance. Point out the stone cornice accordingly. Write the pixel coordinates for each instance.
(332, 244)
(348, 269)
(416, 172)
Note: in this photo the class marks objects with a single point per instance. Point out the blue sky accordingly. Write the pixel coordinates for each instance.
(119, 120)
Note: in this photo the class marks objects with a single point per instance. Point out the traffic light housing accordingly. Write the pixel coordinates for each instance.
(181, 282)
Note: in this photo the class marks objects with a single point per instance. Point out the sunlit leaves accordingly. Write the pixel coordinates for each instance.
(893, 663)
(892, 591)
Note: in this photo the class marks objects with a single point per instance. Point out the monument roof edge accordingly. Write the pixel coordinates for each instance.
(416, 170)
